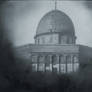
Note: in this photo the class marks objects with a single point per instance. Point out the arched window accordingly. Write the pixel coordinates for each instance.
(34, 62)
(38, 40)
(75, 59)
(63, 39)
(61, 59)
(69, 40)
(51, 39)
(54, 59)
(34, 66)
(55, 63)
(33, 58)
(69, 64)
(68, 59)
(47, 63)
(41, 63)
(75, 63)
(43, 40)
(62, 66)
(47, 59)
(41, 59)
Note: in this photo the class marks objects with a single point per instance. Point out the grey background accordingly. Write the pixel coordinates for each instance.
(20, 19)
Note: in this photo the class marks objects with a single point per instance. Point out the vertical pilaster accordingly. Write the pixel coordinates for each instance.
(72, 60)
(57, 62)
(65, 59)
(45, 58)
(31, 61)
(51, 64)
(37, 63)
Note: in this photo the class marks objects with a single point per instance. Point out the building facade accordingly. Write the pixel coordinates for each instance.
(55, 48)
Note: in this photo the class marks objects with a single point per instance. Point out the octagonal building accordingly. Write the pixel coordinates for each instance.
(55, 48)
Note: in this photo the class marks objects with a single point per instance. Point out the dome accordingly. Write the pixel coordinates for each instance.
(55, 21)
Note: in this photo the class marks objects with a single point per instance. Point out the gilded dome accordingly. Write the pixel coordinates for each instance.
(55, 21)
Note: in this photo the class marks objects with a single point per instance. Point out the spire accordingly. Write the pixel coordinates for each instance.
(55, 4)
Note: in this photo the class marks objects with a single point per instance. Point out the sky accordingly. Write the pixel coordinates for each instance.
(20, 19)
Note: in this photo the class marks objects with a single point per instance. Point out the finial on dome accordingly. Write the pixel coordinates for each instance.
(55, 4)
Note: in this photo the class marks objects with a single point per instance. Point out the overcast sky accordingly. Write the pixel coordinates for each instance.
(20, 19)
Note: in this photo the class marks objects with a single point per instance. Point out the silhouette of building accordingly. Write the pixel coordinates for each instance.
(55, 47)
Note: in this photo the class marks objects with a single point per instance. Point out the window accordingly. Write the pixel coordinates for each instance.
(69, 63)
(68, 59)
(47, 39)
(76, 66)
(55, 64)
(48, 68)
(56, 67)
(55, 38)
(75, 63)
(34, 58)
(69, 67)
(43, 40)
(41, 67)
(41, 59)
(41, 64)
(55, 70)
(63, 39)
(51, 39)
(75, 59)
(38, 40)
(69, 40)
(34, 67)
(47, 63)
(62, 64)
(61, 59)
(47, 60)
(63, 68)
(54, 59)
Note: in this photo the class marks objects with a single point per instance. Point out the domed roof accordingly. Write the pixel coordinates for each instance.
(55, 21)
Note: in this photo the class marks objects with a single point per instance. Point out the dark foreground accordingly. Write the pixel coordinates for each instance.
(14, 77)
